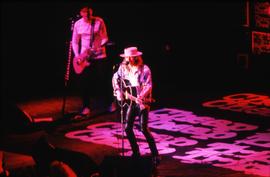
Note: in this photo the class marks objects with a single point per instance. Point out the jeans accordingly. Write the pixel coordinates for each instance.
(131, 112)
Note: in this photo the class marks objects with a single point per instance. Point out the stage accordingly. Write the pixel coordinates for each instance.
(207, 135)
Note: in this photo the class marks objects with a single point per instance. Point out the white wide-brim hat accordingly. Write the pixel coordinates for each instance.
(131, 52)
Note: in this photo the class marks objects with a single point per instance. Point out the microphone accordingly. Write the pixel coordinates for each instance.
(75, 17)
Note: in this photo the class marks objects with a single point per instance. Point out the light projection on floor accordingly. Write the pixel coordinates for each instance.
(248, 103)
(207, 140)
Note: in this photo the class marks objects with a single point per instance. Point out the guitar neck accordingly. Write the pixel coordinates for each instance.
(146, 100)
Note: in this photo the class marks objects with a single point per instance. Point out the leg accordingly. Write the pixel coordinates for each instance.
(149, 138)
(144, 128)
(103, 83)
(130, 118)
(84, 82)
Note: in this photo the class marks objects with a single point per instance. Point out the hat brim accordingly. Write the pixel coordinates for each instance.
(135, 55)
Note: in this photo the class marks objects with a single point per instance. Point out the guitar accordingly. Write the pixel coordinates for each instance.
(129, 96)
(83, 60)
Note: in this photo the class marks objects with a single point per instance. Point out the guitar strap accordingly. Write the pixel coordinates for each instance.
(92, 33)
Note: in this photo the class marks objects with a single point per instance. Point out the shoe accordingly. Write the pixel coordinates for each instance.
(78, 117)
(86, 111)
(112, 107)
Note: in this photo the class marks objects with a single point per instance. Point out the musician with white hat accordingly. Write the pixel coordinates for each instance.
(132, 85)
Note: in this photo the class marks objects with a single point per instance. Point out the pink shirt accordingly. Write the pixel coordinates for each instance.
(82, 33)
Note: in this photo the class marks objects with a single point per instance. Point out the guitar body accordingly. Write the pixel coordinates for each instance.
(79, 65)
(127, 90)
(130, 96)
(83, 60)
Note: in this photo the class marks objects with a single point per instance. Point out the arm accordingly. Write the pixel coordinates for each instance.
(75, 40)
(103, 33)
(116, 85)
(146, 82)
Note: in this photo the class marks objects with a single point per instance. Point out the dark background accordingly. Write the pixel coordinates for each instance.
(191, 46)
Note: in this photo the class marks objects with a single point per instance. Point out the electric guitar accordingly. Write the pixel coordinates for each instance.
(84, 59)
(129, 96)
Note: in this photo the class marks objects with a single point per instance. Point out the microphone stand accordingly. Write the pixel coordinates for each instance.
(122, 111)
(67, 70)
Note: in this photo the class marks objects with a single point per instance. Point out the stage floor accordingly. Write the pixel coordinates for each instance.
(217, 135)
